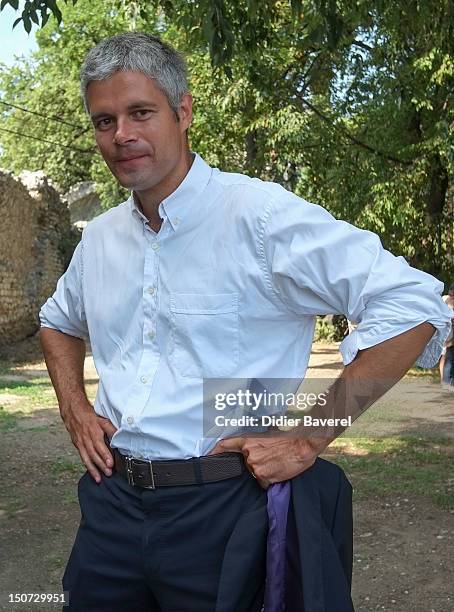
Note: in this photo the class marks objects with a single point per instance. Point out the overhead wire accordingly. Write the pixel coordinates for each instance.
(32, 112)
(50, 118)
(52, 142)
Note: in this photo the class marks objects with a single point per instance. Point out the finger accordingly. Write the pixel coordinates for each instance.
(216, 450)
(107, 426)
(89, 464)
(262, 481)
(96, 458)
(231, 444)
(249, 468)
(104, 452)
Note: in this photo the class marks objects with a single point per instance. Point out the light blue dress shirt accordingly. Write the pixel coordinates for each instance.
(230, 286)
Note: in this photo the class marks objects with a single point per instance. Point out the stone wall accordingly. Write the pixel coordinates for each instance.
(83, 203)
(36, 242)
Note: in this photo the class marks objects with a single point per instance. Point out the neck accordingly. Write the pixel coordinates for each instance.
(149, 199)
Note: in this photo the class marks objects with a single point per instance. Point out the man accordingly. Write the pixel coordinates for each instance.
(200, 274)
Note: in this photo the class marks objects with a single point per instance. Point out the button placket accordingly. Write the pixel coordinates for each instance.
(150, 300)
(150, 354)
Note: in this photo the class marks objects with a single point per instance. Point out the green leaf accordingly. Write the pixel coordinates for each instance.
(27, 24)
(34, 17)
(44, 17)
(52, 4)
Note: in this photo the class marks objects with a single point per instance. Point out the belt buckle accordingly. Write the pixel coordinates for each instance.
(130, 475)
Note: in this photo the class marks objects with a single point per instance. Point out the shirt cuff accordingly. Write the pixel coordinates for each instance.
(429, 358)
(63, 318)
(64, 330)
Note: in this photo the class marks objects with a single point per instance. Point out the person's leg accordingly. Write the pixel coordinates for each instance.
(206, 546)
(448, 369)
(441, 365)
(104, 572)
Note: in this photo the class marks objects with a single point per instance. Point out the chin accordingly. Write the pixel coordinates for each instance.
(130, 182)
(137, 183)
(126, 184)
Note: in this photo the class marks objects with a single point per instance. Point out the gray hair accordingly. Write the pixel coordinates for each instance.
(138, 52)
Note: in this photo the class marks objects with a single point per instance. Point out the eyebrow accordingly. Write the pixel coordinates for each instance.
(134, 105)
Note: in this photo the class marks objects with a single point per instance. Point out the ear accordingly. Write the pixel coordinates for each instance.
(185, 112)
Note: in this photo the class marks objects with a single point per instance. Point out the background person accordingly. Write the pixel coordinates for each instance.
(447, 357)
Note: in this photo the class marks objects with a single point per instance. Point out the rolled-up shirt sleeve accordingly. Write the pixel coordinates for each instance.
(64, 310)
(319, 265)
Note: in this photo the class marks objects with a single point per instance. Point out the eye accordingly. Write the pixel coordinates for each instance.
(103, 123)
(142, 113)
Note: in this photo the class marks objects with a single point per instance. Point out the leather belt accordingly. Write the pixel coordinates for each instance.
(169, 473)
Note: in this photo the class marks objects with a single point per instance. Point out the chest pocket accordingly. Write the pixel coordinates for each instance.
(204, 334)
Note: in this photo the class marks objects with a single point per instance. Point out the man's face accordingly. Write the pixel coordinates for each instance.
(136, 130)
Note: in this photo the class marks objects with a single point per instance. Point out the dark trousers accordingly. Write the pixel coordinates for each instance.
(196, 548)
(448, 368)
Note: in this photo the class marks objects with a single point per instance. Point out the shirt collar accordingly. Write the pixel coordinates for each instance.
(178, 204)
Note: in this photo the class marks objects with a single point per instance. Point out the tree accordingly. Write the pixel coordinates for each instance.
(349, 104)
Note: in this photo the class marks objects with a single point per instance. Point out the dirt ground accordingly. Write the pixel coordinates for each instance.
(403, 549)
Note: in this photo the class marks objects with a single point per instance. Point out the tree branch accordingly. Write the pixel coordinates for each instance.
(362, 45)
(349, 136)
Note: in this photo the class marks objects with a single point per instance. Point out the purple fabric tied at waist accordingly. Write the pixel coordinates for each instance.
(277, 505)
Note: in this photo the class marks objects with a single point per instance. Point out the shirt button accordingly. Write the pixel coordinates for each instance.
(176, 221)
(143, 379)
(151, 290)
(151, 335)
(155, 246)
(130, 420)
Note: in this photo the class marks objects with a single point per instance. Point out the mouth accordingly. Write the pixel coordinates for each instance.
(130, 159)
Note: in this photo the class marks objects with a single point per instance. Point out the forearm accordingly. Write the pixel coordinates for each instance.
(370, 375)
(378, 368)
(392, 358)
(65, 356)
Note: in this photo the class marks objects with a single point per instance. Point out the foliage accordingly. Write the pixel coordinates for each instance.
(324, 330)
(348, 104)
(330, 328)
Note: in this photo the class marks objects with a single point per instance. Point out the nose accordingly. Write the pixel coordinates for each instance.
(124, 132)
